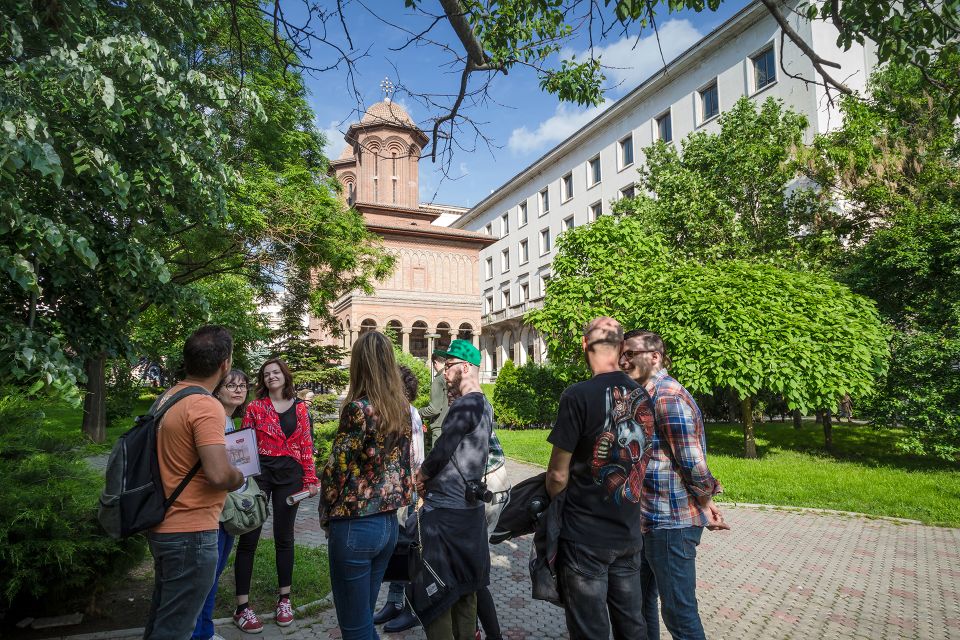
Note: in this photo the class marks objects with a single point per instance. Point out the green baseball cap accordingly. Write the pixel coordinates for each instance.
(462, 350)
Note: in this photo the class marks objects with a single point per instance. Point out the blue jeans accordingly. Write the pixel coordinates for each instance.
(598, 580)
(672, 556)
(359, 550)
(184, 566)
(204, 629)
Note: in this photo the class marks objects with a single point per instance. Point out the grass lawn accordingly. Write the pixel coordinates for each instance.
(865, 473)
(65, 419)
(311, 580)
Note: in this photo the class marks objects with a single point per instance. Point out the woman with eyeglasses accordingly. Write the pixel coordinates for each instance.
(285, 445)
(232, 394)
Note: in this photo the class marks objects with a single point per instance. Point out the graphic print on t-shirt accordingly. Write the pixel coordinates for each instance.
(622, 449)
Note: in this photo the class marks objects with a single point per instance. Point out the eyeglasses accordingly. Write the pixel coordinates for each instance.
(242, 386)
(629, 355)
(448, 363)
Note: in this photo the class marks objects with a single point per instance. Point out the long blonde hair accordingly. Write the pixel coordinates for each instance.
(374, 376)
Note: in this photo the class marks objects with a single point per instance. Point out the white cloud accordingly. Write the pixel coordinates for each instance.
(629, 61)
(565, 120)
(334, 138)
(464, 170)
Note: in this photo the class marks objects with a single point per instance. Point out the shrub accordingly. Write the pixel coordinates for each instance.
(420, 370)
(323, 441)
(528, 396)
(123, 389)
(53, 553)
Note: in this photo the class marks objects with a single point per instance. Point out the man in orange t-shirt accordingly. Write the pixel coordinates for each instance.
(184, 545)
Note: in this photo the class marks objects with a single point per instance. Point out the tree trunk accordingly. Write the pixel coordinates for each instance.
(828, 429)
(746, 413)
(95, 400)
(732, 406)
(797, 419)
(819, 416)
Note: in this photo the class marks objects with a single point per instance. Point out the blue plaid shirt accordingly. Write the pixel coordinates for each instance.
(677, 473)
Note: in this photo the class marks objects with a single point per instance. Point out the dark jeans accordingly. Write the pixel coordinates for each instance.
(487, 612)
(284, 517)
(672, 555)
(204, 629)
(597, 580)
(184, 566)
(651, 606)
(359, 550)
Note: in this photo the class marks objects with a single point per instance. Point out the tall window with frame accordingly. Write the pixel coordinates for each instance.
(566, 186)
(665, 127)
(488, 304)
(709, 102)
(524, 252)
(505, 298)
(524, 292)
(596, 210)
(568, 223)
(522, 214)
(395, 177)
(545, 244)
(504, 224)
(544, 201)
(764, 68)
(594, 174)
(626, 152)
(505, 260)
(488, 268)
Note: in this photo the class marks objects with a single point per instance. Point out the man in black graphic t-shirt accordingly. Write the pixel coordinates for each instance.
(601, 445)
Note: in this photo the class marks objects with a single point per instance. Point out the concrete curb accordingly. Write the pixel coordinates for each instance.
(116, 634)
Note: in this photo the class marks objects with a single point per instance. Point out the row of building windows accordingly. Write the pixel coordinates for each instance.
(764, 74)
(506, 298)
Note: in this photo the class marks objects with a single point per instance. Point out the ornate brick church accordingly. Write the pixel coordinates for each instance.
(433, 294)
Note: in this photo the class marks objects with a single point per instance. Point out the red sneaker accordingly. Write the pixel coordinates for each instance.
(284, 612)
(248, 621)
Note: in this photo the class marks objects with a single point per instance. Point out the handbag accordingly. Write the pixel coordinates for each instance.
(245, 509)
(427, 589)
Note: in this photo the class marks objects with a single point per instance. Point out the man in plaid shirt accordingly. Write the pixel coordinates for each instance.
(677, 498)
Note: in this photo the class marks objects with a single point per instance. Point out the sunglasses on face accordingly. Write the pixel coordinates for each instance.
(630, 355)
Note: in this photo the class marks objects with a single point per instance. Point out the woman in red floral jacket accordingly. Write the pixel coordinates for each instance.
(285, 444)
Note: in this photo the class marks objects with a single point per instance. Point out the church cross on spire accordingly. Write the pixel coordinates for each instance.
(387, 87)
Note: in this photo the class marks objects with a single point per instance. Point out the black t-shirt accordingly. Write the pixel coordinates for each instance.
(606, 422)
(288, 420)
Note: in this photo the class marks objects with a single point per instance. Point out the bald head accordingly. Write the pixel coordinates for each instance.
(603, 332)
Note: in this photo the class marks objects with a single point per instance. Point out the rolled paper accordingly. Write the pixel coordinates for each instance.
(297, 497)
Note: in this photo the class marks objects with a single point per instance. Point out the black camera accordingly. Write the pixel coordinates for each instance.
(476, 491)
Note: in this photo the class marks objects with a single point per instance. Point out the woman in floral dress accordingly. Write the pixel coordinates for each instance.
(366, 479)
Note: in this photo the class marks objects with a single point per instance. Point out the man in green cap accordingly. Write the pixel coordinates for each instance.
(451, 483)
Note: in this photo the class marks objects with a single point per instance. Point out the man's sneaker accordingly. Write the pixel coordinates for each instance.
(284, 612)
(248, 621)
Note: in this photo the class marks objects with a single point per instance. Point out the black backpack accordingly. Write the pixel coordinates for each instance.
(133, 498)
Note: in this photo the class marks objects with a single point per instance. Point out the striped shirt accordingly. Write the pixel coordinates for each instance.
(677, 473)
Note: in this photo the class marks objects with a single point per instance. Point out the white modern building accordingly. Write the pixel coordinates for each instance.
(581, 177)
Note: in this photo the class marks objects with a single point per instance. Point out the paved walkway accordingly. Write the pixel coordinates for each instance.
(777, 574)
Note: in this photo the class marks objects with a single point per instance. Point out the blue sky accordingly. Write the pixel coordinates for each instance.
(522, 121)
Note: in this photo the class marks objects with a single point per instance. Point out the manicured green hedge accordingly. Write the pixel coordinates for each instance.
(528, 396)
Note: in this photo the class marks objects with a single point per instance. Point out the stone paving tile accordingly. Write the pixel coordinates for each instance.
(777, 574)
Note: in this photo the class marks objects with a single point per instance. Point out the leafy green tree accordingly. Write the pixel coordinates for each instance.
(229, 300)
(741, 192)
(729, 324)
(528, 396)
(896, 162)
(123, 132)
